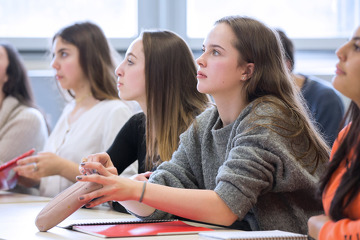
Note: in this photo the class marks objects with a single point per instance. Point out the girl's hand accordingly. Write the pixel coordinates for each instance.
(315, 224)
(114, 188)
(102, 158)
(41, 165)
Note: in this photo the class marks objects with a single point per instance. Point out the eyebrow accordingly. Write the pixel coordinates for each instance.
(215, 46)
(131, 54)
(62, 49)
(355, 38)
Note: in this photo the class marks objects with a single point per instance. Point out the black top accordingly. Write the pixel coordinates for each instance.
(129, 144)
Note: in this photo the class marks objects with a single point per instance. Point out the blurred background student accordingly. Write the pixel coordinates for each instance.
(323, 101)
(340, 186)
(89, 123)
(22, 126)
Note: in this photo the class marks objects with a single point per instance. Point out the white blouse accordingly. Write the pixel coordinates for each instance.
(93, 132)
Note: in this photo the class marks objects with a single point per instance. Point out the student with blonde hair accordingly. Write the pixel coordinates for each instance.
(159, 73)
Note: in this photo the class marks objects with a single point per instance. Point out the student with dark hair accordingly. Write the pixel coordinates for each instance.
(252, 161)
(340, 185)
(22, 126)
(89, 123)
(323, 101)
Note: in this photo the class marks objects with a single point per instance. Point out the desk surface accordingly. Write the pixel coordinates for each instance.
(17, 220)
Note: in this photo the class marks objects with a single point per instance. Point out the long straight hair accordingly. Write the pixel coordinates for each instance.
(258, 44)
(173, 101)
(94, 57)
(350, 183)
(18, 84)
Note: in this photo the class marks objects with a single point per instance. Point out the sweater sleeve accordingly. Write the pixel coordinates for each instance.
(344, 229)
(260, 162)
(24, 131)
(250, 170)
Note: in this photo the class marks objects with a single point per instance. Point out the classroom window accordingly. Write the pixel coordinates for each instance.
(298, 18)
(42, 18)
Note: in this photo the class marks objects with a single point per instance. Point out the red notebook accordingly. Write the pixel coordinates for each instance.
(140, 229)
(8, 178)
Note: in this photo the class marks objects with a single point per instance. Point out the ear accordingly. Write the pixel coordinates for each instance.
(249, 70)
(288, 65)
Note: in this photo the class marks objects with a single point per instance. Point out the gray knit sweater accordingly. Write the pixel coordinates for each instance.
(251, 167)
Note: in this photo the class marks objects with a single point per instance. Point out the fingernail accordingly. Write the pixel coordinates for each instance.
(78, 177)
(82, 164)
(87, 205)
(81, 198)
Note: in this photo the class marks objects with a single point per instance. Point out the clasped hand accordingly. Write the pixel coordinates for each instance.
(115, 188)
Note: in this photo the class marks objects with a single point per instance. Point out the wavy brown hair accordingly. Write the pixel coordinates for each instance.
(173, 101)
(258, 44)
(94, 57)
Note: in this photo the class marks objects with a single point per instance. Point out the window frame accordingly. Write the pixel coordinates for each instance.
(171, 15)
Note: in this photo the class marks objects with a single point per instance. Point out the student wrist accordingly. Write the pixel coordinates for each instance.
(139, 191)
(142, 191)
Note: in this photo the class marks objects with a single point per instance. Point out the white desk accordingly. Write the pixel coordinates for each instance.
(18, 213)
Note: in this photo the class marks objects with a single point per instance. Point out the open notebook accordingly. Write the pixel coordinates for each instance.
(251, 235)
(130, 227)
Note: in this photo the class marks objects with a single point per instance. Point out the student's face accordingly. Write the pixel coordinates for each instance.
(67, 65)
(347, 78)
(131, 74)
(219, 72)
(4, 63)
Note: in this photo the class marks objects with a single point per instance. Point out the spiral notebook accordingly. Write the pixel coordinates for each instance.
(69, 224)
(253, 235)
(130, 227)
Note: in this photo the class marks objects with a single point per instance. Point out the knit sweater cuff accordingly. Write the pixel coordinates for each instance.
(233, 198)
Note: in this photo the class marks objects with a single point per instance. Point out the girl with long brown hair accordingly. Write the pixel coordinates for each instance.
(89, 122)
(252, 161)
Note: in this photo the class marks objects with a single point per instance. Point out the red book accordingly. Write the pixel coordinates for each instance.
(8, 178)
(140, 229)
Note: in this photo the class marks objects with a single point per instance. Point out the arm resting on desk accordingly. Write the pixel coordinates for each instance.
(199, 205)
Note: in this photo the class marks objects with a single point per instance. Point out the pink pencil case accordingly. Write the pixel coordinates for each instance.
(63, 205)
